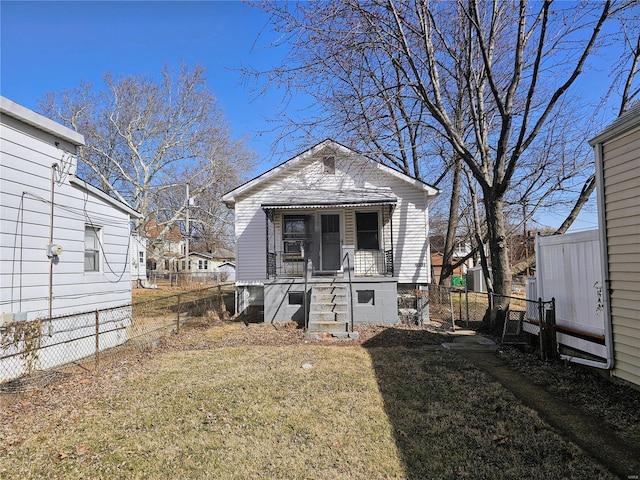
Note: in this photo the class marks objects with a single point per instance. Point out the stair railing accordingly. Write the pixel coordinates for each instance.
(346, 256)
(308, 266)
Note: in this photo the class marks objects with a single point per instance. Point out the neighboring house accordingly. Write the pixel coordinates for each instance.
(206, 267)
(327, 237)
(227, 272)
(138, 257)
(617, 153)
(221, 254)
(165, 247)
(64, 244)
(461, 250)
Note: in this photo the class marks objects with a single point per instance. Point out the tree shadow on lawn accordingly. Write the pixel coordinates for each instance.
(452, 421)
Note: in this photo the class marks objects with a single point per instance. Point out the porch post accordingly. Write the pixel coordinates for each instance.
(391, 237)
(270, 222)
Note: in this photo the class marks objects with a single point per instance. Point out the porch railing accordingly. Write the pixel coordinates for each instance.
(366, 263)
(281, 264)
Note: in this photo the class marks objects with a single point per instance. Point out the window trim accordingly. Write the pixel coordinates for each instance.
(377, 232)
(292, 243)
(95, 251)
(366, 297)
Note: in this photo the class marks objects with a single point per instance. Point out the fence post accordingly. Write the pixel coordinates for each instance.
(97, 353)
(178, 316)
(541, 327)
(550, 344)
(466, 302)
(453, 315)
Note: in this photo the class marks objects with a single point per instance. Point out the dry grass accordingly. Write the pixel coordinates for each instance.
(216, 403)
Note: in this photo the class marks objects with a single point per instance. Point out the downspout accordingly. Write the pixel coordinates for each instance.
(606, 290)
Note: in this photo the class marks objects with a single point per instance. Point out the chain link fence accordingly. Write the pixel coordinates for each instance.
(34, 352)
(450, 308)
(434, 306)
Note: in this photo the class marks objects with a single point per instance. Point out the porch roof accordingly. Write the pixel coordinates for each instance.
(300, 198)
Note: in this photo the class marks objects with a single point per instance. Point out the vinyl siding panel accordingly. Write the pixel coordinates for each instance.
(409, 219)
(26, 156)
(621, 193)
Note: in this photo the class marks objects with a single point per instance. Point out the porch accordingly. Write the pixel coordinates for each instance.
(327, 239)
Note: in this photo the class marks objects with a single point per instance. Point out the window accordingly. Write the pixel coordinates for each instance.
(199, 264)
(367, 231)
(203, 264)
(329, 165)
(366, 297)
(91, 249)
(296, 298)
(294, 233)
(141, 254)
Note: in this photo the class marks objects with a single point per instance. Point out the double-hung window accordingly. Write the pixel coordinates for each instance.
(294, 234)
(367, 231)
(91, 249)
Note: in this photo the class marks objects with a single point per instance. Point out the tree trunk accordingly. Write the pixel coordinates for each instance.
(496, 234)
(452, 225)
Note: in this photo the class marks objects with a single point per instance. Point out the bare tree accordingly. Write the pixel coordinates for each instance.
(143, 135)
(512, 64)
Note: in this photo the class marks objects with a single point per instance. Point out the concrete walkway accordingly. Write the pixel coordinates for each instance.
(620, 455)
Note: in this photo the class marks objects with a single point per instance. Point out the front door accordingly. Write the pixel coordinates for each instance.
(330, 241)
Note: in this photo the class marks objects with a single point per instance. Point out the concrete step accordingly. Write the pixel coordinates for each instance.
(328, 326)
(328, 317)
(327, 307)
(329, 297)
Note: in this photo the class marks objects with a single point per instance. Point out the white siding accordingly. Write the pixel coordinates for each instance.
(26, 156)
(410, 228)
(621, 172)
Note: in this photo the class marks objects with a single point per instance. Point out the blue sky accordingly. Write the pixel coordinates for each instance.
(51, 46)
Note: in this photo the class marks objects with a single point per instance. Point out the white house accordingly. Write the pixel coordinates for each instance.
(207, 267)
(138, 258)
(64, 244)
(327, 237)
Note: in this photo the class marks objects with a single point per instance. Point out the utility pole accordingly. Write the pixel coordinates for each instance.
(186, 243)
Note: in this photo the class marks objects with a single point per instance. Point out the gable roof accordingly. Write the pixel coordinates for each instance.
(230, 197)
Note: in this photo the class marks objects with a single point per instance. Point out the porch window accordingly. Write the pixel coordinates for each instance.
(367, 231)
(294, 234)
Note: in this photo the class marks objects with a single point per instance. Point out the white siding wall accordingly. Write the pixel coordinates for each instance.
(409, 219)
(621, 172)
(26, 156)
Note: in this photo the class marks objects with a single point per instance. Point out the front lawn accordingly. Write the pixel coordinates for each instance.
(208, 409)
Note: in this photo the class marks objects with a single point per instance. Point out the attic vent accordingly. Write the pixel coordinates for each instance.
(329, 165)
